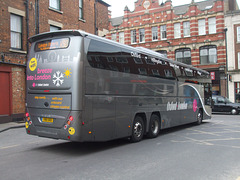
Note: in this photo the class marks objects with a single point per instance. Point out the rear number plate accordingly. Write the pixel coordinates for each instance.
(47, 120)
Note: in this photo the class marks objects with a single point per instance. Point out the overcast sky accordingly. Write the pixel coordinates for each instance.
(117, 6)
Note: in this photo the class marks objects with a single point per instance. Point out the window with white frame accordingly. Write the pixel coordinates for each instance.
(238, 65)
(208, 54)
(212, 25)
(80, 9)
(183, 55)
(186, 29)
(114, 37)
(55, 4)
(141, 35)
(54, 28)
(163, 30)
(16, 31)
(177, 30)
(238, 34)
(155, 33)
(133, 36)
(121, 37)
(201, 27)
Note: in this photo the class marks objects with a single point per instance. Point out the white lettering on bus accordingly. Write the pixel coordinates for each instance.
(136, 55)
(171, 106)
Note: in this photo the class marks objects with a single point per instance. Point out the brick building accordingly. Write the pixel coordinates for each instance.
(193, 33)
(24, 18)
(232, 22)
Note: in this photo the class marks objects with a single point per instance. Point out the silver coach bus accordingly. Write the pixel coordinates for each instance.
(81, 87)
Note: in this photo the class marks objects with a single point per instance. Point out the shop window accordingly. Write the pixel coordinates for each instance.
(237, 92)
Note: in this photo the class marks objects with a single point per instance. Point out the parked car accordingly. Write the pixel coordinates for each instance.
(222, 104)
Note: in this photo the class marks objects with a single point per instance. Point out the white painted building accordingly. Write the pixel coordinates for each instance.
(232, 24)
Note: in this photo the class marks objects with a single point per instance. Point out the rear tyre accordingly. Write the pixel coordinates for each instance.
(137, 129)
(199, 117)
(234, 111)
(154, 126)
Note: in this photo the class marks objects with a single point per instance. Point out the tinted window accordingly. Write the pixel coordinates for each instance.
(106, 56)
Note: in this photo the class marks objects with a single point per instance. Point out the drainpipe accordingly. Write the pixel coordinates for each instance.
(27, 22)
(225, 30)
(95, 18)
(36, 17)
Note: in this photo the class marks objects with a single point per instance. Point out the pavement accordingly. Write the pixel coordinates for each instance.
(11, 125)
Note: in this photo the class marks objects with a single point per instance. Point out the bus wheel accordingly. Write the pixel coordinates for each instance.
(154, 126)
(199, 117)
(137, 130)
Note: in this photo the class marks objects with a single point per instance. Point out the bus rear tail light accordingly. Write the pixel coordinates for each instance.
(70, 118)
(27, 116)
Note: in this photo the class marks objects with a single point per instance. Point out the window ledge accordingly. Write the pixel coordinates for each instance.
(55, 10)
(82, 20)
(18, 51)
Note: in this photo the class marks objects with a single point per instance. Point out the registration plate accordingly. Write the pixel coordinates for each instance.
(47, 120)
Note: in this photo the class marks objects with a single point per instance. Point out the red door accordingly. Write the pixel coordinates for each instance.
(4, 93)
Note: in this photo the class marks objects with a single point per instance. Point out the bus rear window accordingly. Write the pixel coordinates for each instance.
(52, 44)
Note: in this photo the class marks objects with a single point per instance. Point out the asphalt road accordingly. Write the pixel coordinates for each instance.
(210, 151)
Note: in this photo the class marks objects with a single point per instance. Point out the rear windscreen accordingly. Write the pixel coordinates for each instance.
(52, 44)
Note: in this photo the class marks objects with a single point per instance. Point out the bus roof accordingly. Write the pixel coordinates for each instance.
(95, 37)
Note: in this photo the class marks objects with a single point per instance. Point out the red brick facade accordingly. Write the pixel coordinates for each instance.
(67, 16)
(149, 14)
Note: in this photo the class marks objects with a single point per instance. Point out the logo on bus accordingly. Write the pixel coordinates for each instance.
(33, 64)
(194, 105)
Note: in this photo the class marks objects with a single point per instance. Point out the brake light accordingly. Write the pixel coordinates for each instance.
(70, 118)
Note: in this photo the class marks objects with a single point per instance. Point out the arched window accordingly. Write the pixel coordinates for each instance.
(183, 55)
(163, 52)
(208, 54)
